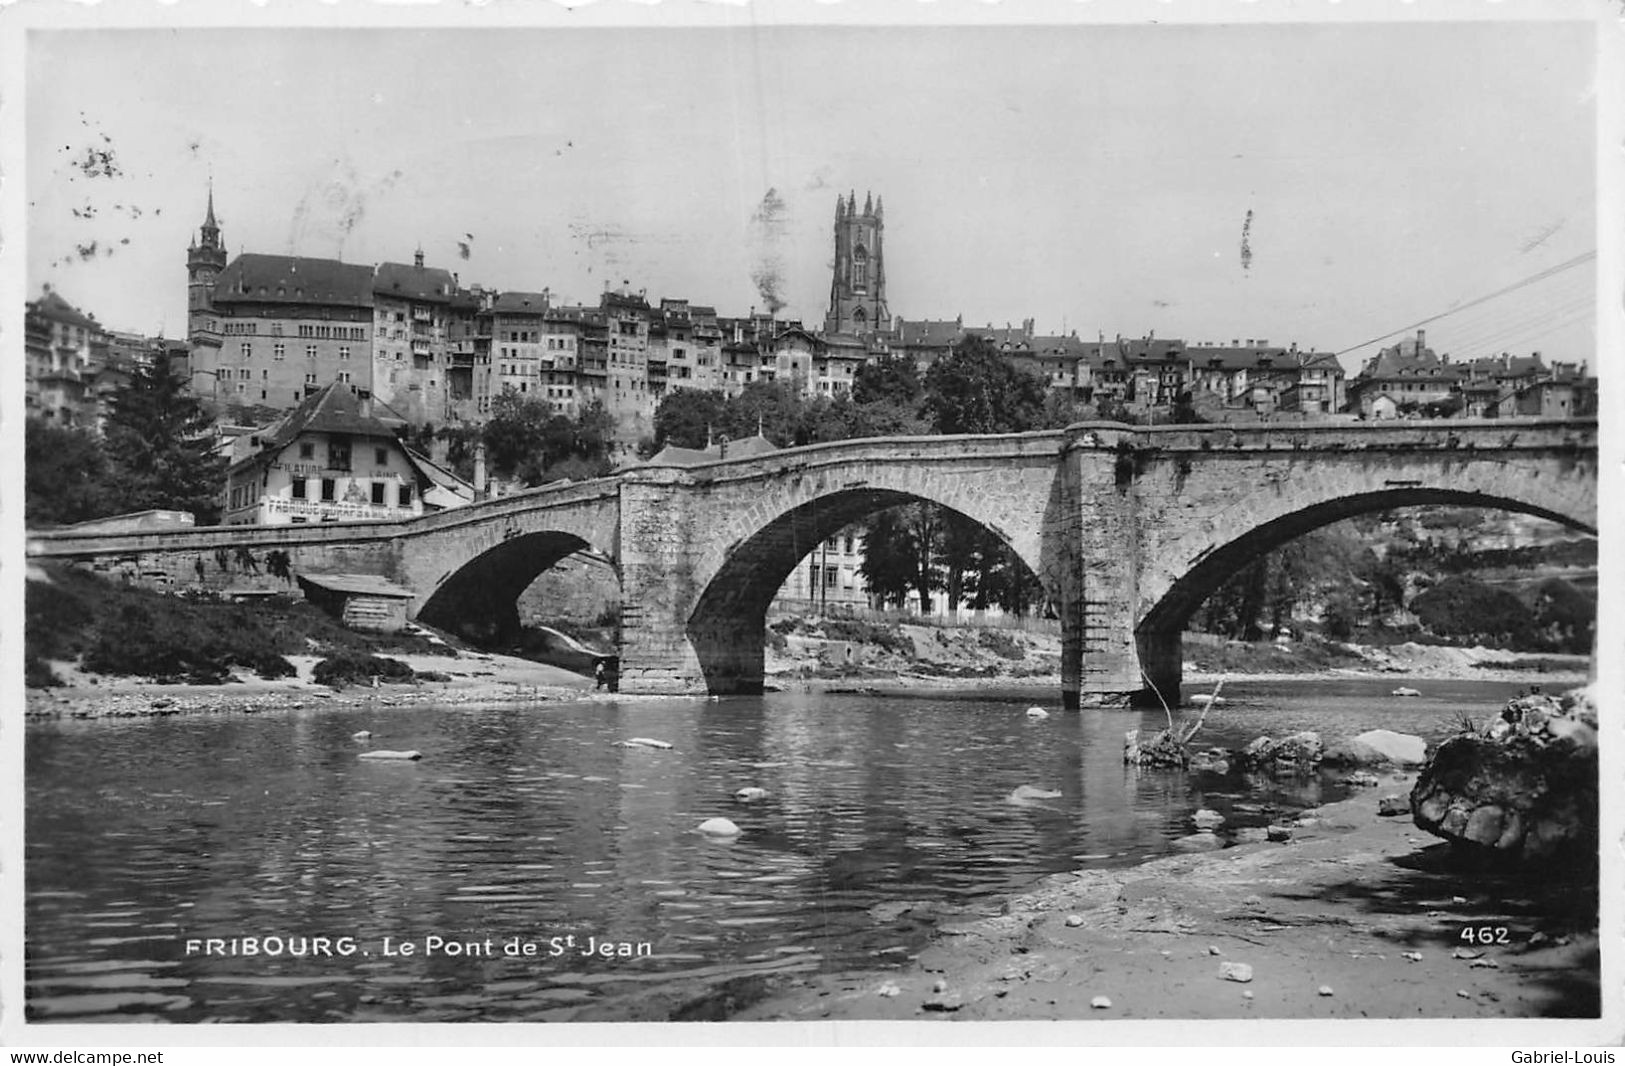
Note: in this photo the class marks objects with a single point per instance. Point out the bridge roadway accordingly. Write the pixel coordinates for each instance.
(1129, 529)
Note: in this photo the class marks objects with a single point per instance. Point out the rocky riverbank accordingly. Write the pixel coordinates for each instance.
(469, 678)
(1352, 916)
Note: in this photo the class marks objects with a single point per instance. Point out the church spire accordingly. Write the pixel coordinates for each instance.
(868, 203)
(208, 221)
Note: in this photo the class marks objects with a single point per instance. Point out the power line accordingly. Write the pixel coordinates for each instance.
(1515, 286)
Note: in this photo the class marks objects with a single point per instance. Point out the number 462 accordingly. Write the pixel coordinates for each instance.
(1485, 934)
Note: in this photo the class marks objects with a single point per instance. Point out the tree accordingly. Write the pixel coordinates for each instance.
(160, 443)
(974, 389)
(899, 549)
(515, 436)
(890, 379)
(65, 475)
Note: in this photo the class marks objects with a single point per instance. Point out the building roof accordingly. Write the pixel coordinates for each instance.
(1506, 366)
(928, 332)
(671, 455)
(294, 280)
(403, 282)
(526, 303)
(1405, 361)
(54, 308)
(335, 408)
(357, 585)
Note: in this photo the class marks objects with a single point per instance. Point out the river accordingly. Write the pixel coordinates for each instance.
(524, 827)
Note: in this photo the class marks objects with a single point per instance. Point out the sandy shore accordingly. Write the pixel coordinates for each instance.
(1357, 916)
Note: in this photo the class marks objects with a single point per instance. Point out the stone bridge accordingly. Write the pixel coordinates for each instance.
(1128, 528)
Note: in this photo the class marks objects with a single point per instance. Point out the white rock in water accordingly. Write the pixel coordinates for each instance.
(362, 735)
(888, 990)
(1037, 712)
(719, 827)
(1203, 699)
(384, 754)
(1235, 971)
(1101, 1003)
(645, 742)
(1206, 819)
(1325, 990)
(1027, 793)
(750, 795)
(1074, 920)
(1400, 747)
(1403, 691)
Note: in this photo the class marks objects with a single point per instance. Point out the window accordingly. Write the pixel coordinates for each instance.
(378, 492)
(344, 376)
(310, 351)
(247, 350)
(403, 495)
(381, 455)
(328, 485)
(278, 351)
(299, 488)
(344, 351)
(338, 454)
(310, 379)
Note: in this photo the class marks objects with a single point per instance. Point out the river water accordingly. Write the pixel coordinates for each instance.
(523, 827)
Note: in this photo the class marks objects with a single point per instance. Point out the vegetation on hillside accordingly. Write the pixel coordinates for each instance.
(119, 630)
(155, 452)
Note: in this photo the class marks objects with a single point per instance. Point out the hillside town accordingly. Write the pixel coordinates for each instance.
(316, 373)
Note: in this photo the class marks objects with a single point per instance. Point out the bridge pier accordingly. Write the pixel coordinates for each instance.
(657, 587)
(1098, 628)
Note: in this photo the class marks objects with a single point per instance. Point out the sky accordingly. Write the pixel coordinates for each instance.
(1312, 183)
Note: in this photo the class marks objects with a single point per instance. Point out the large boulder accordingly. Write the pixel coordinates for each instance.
(1524, 785)
(1300, 751)
(1403, 748)
(1352, 753)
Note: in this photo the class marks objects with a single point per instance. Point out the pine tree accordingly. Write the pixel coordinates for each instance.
(160, 443)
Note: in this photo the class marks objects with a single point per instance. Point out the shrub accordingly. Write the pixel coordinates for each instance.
(1001, 644)
(37, 673)
(272, 666)
(347, 667)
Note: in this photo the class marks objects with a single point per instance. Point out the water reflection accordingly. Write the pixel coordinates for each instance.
(529, 826)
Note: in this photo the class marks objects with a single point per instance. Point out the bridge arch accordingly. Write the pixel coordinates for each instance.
(471, 565)
(1181, 571)
(746, 557)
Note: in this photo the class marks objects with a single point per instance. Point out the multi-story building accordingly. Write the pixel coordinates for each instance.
(411, 328)
(1406, 378)
(469, 381)
(332, 459)
(518, 341)
(62, 348)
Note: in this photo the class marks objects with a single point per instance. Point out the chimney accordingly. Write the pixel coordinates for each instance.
(417, 258)
(479, 471)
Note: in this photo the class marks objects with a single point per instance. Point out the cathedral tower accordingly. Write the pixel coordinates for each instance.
(205, 259)
(857, 293)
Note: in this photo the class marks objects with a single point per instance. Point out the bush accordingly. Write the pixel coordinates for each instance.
(37, 673)
(272, 666)
(775, 640)
(886, 637)
(1462, 607)
(345, 668)
(1001, 644)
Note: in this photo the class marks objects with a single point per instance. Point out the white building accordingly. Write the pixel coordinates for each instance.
(332, 460)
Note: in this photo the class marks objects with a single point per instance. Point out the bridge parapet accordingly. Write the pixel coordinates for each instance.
(1408, 434)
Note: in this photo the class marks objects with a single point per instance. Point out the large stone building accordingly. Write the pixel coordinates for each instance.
(857, 292)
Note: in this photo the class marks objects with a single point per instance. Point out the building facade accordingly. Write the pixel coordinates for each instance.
(331, 459)
(857, 291)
